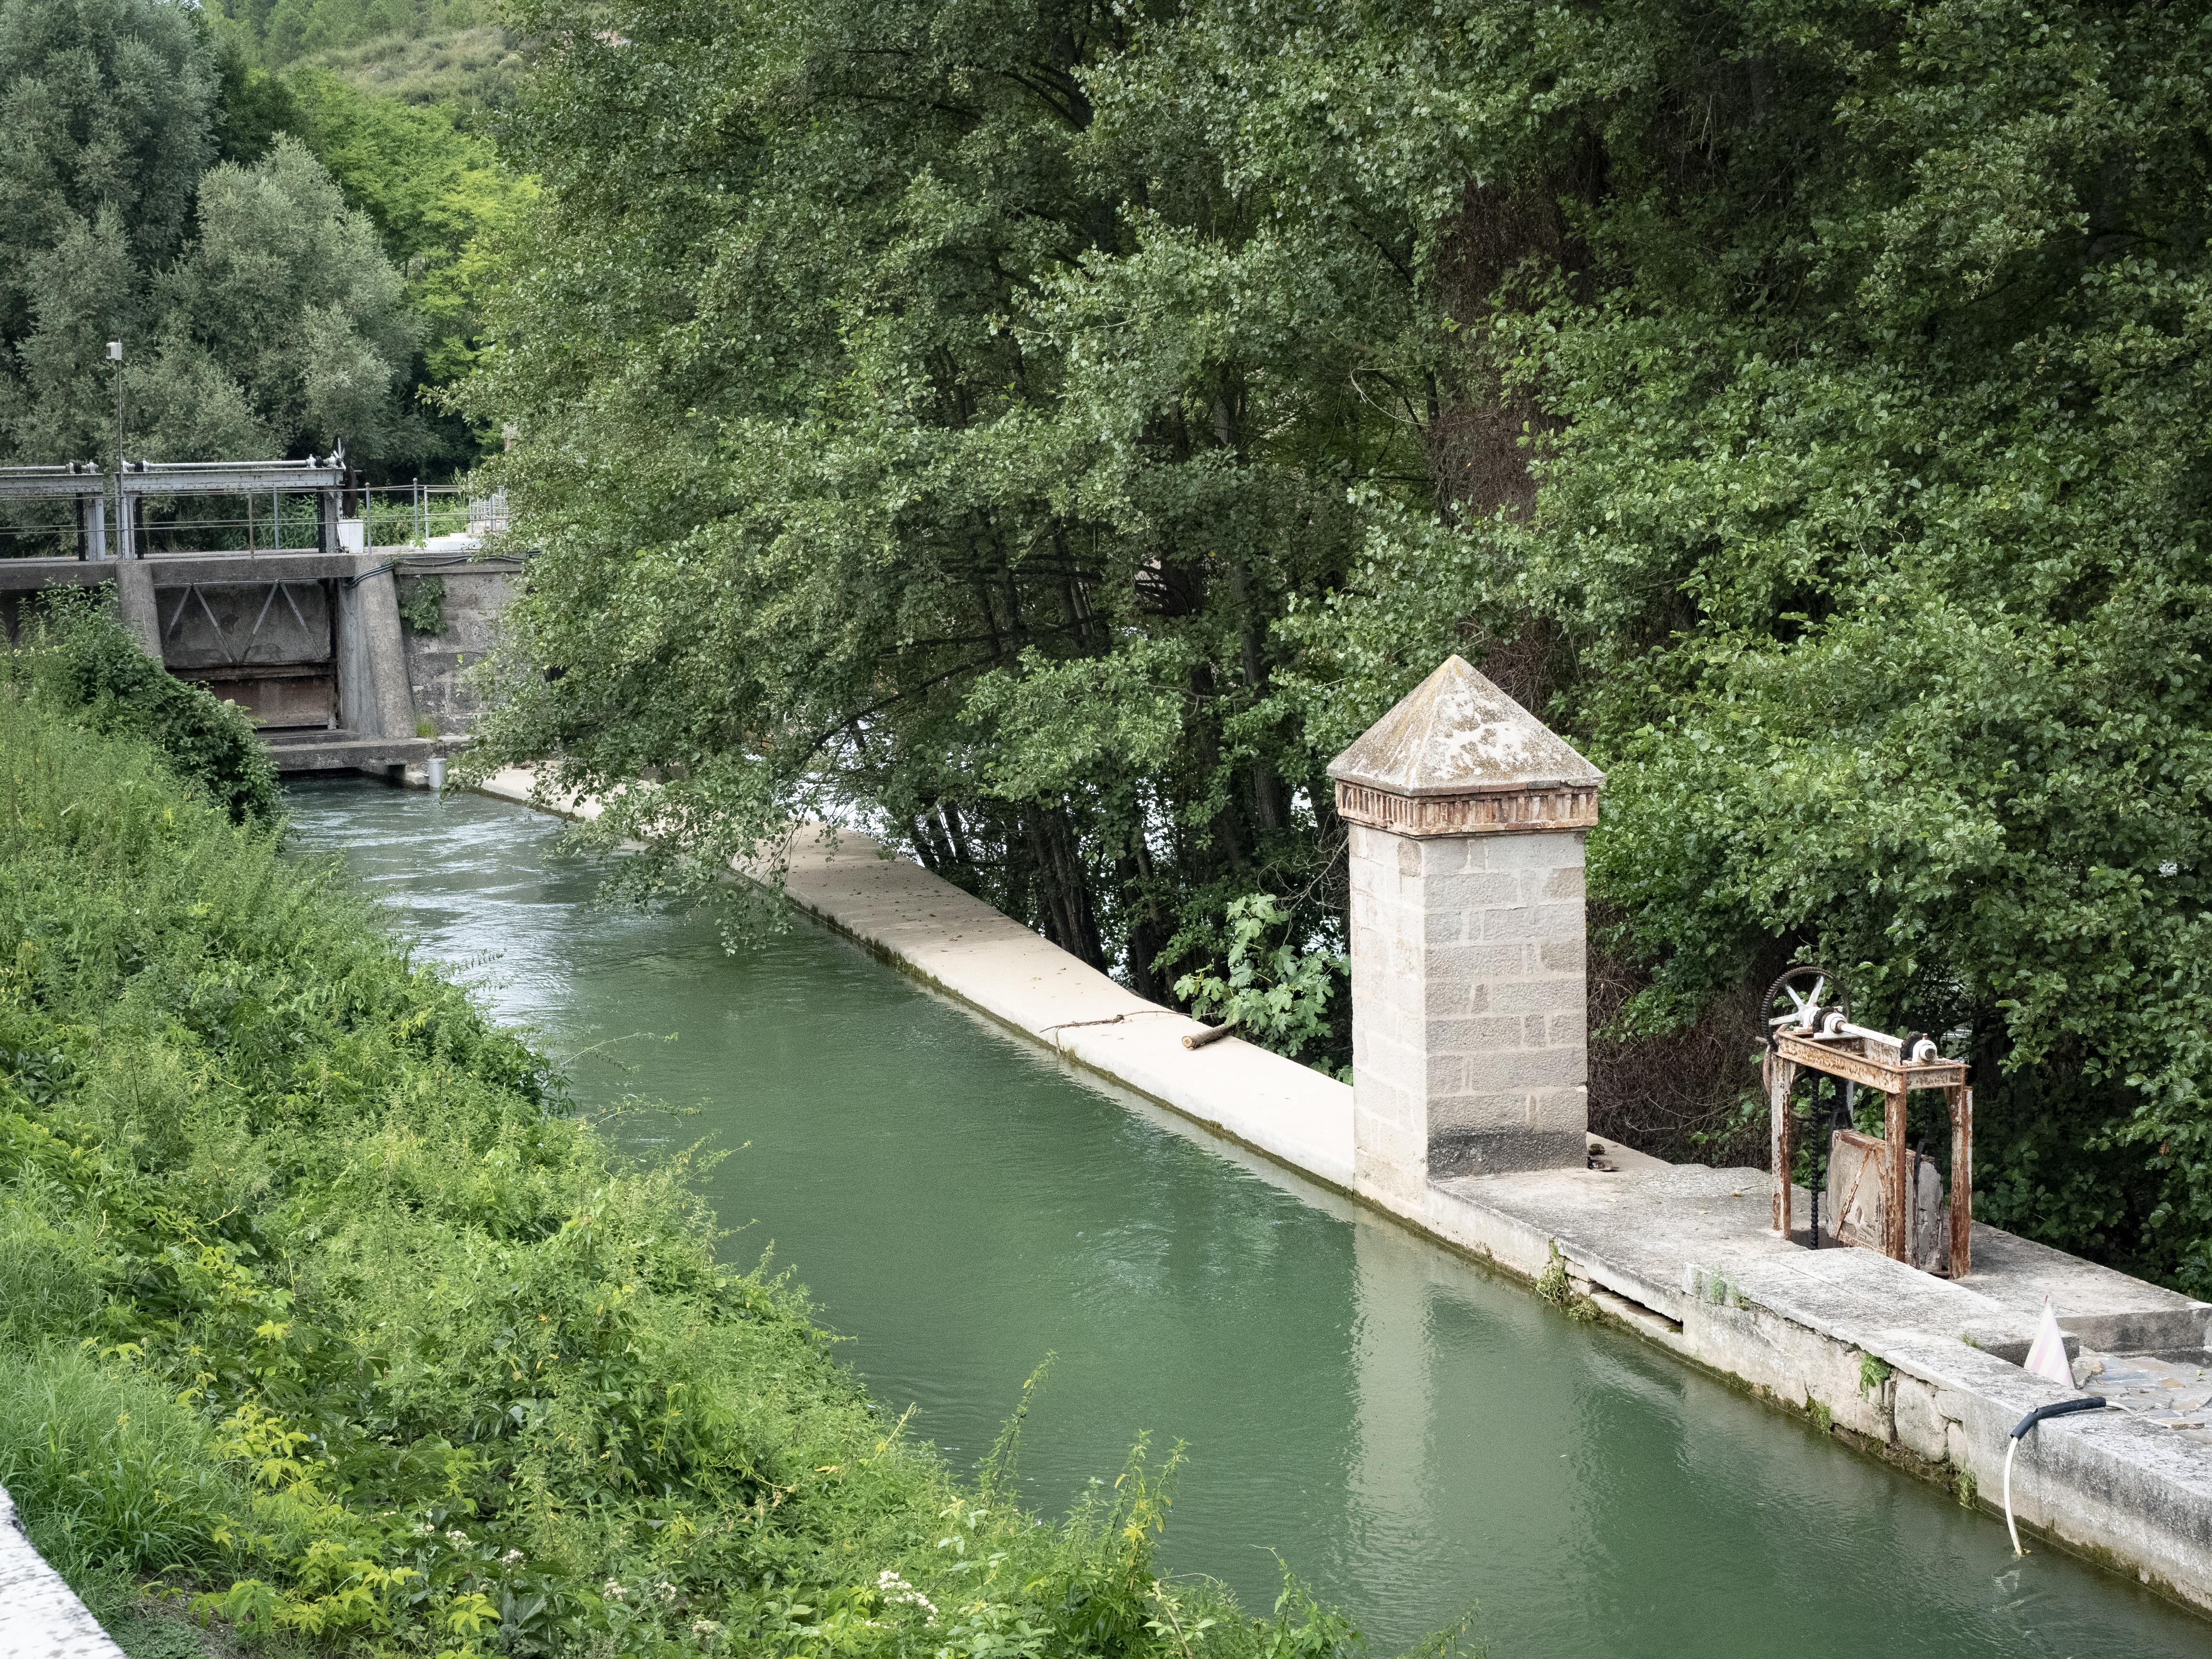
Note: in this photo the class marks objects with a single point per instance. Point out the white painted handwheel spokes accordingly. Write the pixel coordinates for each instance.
(1807, 991)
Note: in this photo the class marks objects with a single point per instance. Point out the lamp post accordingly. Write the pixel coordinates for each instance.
(122, 527)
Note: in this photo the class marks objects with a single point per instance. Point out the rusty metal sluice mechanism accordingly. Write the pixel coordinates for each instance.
(1883, 1194)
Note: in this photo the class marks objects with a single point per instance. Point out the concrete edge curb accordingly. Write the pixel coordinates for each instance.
(40, 1617)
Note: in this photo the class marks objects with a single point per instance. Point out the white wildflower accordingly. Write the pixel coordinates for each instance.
(612, 1590)
(512, 1559)
(423, 1529)
(895, 1588)
(664, 1591)
(703, 1628)
(458, 1539)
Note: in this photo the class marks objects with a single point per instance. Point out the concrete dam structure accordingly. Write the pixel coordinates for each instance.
(304, 633)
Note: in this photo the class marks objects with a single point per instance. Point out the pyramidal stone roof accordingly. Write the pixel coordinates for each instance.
(1457, 734)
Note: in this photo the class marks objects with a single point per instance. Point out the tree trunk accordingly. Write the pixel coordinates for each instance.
(1071, 920)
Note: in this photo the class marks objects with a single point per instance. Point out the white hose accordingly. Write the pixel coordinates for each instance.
(2087, 1402)
(2009, 1527)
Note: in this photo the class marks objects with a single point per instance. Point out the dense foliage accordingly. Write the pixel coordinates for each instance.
(290, 261)
(441, 202)
(1862, 351)
(314, 1305)
(257, 312)
(867, 477)
(1049, 428)
(280, 32)
(80, 657)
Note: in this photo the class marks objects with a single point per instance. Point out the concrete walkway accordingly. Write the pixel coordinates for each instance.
(962, 947)
(40, 1617)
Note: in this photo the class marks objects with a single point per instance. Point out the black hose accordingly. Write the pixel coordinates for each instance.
(2063, 1408)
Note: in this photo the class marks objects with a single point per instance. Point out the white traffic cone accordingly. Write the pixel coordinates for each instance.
(2046, 1358)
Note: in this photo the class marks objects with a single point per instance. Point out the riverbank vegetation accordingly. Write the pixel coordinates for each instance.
(321, 1315)
(1048, 429)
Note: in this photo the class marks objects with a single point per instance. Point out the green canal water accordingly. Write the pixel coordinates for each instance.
(1409, 1433)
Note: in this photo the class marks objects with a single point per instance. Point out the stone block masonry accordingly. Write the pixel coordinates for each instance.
(475, 594)
(1470, 1040)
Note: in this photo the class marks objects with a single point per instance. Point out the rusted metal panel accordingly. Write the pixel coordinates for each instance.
(1781, 1075)
(1878, 1072)
(1897, 1187)
(307, 699)
(1858, 1201)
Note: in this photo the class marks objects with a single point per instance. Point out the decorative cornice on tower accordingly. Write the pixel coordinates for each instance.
(1457, 756)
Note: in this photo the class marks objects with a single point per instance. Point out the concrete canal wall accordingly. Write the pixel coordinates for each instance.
(959, 945)
(472, 595)
(1922, 1371)
(40, 1617)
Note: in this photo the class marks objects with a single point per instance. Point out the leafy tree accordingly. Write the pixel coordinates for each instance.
(288, 288)
(1272, 993)
(281, 32)
(1856, 350)
(104, 110)
(1053, 429)
(441, 202)
(867, 478)
(253, 106)
(258, 311)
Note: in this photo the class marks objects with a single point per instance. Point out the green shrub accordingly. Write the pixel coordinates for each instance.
(51, 1276)
(319, 1304)
(108, 1468)
(1276, 994)
(79, 654)
(422, 604)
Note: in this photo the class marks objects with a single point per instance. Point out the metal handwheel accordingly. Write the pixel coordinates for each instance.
(1802, 997)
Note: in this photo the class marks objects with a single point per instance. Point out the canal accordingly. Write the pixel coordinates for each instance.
(1407, 1432)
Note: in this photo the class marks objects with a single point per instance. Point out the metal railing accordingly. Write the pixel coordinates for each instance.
(69, 511)
(414, 515)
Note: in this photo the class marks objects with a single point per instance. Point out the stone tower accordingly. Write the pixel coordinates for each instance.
(1469, 1035)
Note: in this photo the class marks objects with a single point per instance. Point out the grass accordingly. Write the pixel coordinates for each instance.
(321, 1318)
(470, 69)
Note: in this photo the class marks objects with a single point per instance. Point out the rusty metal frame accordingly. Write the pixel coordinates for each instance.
(1874, 1061)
